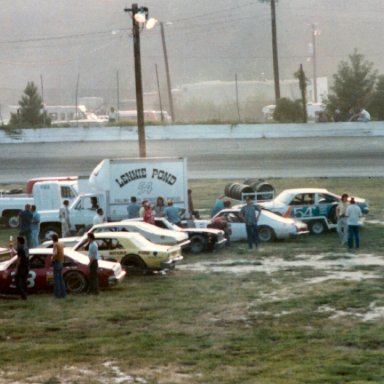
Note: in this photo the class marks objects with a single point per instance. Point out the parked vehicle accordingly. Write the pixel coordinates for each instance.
(75, 272)
(114, 181)
(150, 232)
(133, 251)
(315, 206)
(270, 226)
(201, 239)
(44, 194)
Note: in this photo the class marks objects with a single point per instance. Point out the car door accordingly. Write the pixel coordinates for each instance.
(110, 248)
(238, 230)
(302, 206)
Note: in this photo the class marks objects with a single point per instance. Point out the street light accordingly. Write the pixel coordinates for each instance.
(139, 18)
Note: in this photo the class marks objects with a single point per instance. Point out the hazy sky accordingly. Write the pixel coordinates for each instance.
(206, 40)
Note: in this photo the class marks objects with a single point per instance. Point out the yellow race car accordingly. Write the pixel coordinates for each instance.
(133, 251)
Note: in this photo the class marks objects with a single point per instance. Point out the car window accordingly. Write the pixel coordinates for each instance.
(324, 198)
(233, 218)
(303, 199)
(68, 262)
(37, 262)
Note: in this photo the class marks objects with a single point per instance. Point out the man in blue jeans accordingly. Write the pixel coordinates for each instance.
(250, 213)
(57, 264)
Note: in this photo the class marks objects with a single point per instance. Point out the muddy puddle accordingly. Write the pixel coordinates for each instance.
(335, 265)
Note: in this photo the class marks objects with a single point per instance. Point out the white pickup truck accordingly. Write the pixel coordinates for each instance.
(45, 195)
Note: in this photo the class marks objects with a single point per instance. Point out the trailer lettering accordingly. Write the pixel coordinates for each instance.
(125, 178)
(165, 176)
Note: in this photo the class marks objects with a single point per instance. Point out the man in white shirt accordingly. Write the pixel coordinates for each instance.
(353, 214)
(99, 217)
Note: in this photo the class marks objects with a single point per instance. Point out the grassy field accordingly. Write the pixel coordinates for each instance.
(303, 311)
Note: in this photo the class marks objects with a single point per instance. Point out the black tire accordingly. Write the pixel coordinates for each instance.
(11, 219)
(265, 233)
(47, 231)
(317, 227)
(134, 264)
(198, 244)
(75, 282)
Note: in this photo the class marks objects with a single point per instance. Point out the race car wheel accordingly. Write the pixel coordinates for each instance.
(134, 264)
(197, 244)
(12, 219)
(47, 232)
(75, 282)
(317, 227)
(265, 233)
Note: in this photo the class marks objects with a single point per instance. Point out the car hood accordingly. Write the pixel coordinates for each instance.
(213, 231)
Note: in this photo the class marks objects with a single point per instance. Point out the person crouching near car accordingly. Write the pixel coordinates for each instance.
(57, 264)
(353, 216)
(94, 256)
(342, 226)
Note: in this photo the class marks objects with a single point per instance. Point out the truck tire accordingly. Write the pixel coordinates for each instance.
(317, 227)
(265, 233)
(47, 231)
(134, 265)
(197, 245)
(75, 282)
(11, 219)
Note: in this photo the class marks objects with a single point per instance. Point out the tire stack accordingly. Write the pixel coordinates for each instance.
(256, 188)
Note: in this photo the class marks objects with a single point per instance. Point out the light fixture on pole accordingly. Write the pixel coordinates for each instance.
(139, 18)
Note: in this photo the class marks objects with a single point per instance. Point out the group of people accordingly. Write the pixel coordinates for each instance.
(29, 225)
(348, 215)
(148, 212)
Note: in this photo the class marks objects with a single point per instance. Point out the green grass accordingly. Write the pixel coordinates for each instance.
(214, 327)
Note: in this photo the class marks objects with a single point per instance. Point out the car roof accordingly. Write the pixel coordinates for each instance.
(306, 190)
(126, 235)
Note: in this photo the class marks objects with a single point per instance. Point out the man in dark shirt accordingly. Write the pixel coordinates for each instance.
(22, 267)
(25, 224)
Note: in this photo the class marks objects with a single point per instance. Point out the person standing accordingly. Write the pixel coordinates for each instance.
(25, 224)
(94, 256)
(250, 214)
(173, 213)
(149, 215)
(342, 226)
(35, 227)
(22, 267)
(99, 217)
(57, 264)
(353, 214)
(65, 220)
(159, 207)
(133, 208)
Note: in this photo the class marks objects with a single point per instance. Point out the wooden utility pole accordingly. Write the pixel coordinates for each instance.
(172, 110)
(274, 51)
(138, 81)
(158, 90)
(314, 63)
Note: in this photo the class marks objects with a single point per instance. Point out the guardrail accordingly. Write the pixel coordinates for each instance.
(180, 132)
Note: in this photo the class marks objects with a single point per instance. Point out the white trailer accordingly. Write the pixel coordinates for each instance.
(114, 181)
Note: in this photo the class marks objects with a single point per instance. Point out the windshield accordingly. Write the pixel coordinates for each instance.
(284, 197)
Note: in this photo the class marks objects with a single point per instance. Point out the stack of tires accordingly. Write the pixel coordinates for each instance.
(258, 189)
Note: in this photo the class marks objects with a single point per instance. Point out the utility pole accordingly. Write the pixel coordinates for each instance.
(158, 90)
(172, 111)
(314, 32)
(237, 99)
(274, 51)
(138, 81)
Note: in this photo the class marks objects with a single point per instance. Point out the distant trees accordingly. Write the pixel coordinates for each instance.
(30, 113)
(288, 111)
(353, 87)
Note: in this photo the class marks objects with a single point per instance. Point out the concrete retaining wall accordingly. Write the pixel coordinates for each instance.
(174, 132)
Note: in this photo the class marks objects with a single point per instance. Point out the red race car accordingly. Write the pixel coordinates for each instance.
(75, 272)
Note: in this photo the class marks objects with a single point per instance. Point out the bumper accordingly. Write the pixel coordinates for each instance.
(116, 279)
(171, 263)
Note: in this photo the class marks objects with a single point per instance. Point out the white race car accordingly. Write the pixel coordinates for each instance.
(270, 226)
